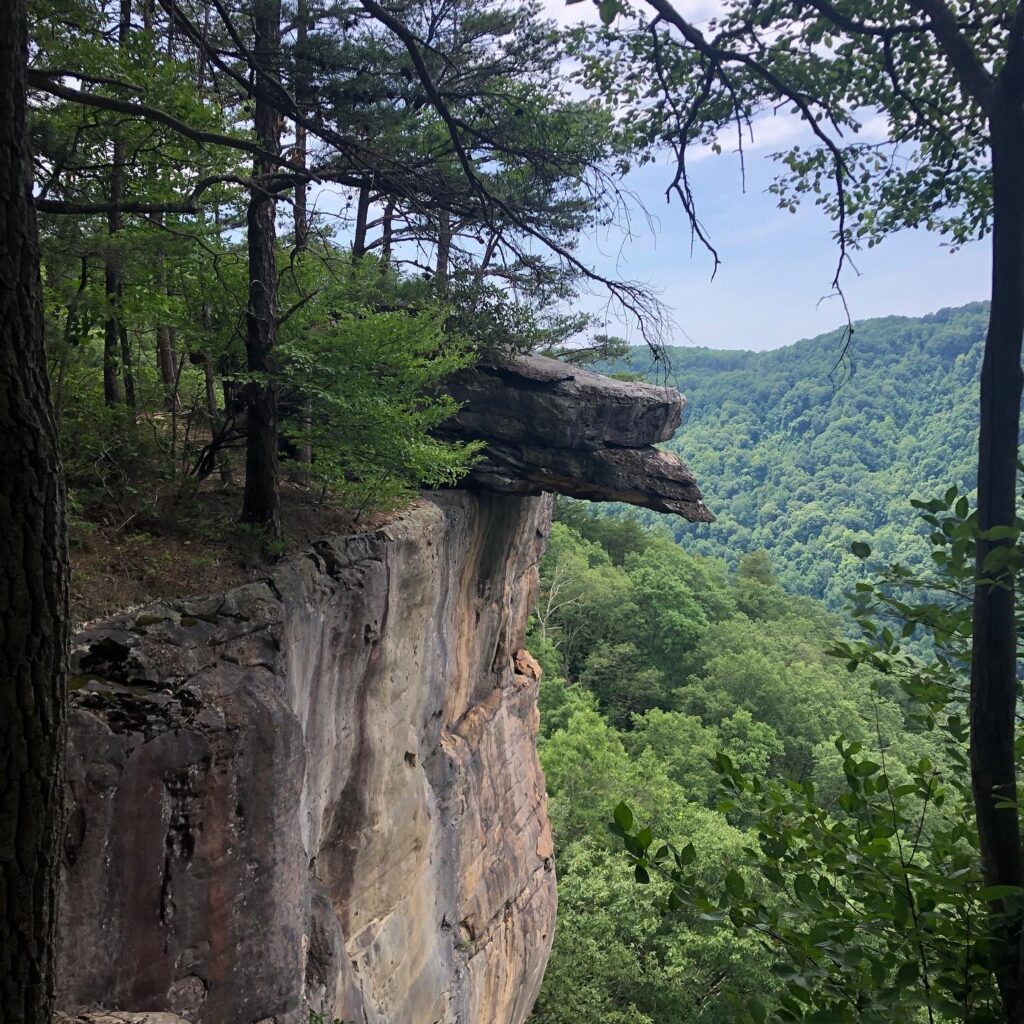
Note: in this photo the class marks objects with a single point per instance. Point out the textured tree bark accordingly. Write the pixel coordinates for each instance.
(994, 658)
(33, 577)
(261, 501)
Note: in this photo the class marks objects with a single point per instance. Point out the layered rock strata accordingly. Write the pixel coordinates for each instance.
(551, 426)
(319, 791)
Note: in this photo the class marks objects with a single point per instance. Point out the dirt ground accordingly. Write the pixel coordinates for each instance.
(192, 547)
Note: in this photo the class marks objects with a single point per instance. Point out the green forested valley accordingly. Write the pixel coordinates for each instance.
(797, 777)
(802, 450)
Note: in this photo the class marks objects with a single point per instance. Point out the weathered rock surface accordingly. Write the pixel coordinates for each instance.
(117, 1017)
(553, 427)
(320, 790)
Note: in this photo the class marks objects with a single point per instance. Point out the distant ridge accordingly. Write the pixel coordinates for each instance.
(801, 458)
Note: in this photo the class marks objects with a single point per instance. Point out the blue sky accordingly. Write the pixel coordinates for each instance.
(776, 266)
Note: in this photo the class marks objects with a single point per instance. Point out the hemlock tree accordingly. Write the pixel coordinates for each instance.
(949, 79)
(33, 577)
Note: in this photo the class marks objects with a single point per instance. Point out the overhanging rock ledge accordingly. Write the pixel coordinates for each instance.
(553, 427)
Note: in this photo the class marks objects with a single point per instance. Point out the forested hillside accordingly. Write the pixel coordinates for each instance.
(655, 661)
(801, 457)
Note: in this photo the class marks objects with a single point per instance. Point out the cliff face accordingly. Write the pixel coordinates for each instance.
(320, 790)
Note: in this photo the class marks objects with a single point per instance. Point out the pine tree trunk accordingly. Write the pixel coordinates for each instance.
(301, 212)
(261, 502)
(994, 659)
(362, 217)
(33, 578)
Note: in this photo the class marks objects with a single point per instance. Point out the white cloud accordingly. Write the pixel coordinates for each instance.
(586, 11)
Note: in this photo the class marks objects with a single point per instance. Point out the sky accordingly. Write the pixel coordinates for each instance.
(777, 267)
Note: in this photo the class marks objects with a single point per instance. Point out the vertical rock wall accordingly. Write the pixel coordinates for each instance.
(320, 790)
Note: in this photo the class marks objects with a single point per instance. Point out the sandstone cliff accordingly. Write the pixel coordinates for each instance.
(320, 791)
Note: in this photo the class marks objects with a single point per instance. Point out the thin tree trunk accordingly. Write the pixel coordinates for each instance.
(166, 358)
(115, 336)
(261, 501)
(444, 250)
(301, 212)
(211, 388)
(303, 101)
(994, 658)
(388, 232)
(126, 363)
(111, 378)
(168, 361)
(362, 216)
(33, 578)
(72, 336)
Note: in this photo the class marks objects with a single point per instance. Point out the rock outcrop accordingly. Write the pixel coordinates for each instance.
(551, 426)
(320, 790)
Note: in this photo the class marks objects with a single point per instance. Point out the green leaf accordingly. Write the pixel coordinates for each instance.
(734, 884)
(608, 9)
(803, 886)
(623, 817)
(860, 549)
(641, 875)
(906, 975)
(992, 893)
(757, 1008)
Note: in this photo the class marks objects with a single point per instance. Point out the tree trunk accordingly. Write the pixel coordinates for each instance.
(994, 659)
(33, 578)
(301, 210)
(115, 335)
(362, 217)
(303, 102)
(211, 388)
(126, 362)
(168, 361)
(166, 358)
(261, 502)
(388, 232)
(111, 378)
(444, 249)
